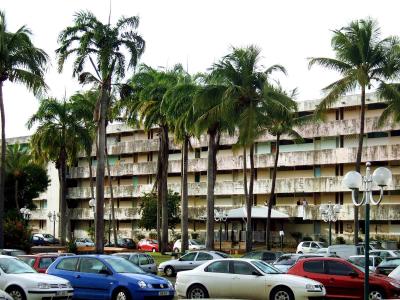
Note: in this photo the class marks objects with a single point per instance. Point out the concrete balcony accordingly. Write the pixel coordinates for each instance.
(283, 185)
(302, 158)
(120, 213)
(39, 214)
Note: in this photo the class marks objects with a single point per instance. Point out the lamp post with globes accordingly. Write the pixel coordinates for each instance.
(220, 216)
(26, 214)
(54, 217)
(354, 181)
(329, 214)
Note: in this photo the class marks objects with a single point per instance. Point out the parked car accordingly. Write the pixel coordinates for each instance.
(142, 260)
(148, 245)
(188, 261)
(84, 242)
(344, 280)
(123, 243)
(387, 266)
(267, 256)
(40, 262)
(110, 277)
(38, 241)
(49, 238)
(385, 253)
(5, 296)
(309, 247)
(395, 274)
(12, 252)
(345, 251)
(373, 245)
(359, 260)
(193, 245)
(22, 282)
(244, 279)
(286, 261)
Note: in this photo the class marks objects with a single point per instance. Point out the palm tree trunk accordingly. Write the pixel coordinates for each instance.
(16, 194)
(272, 194)
(184, 196)
(159, 193)
(63, 196)
(358, 160)
(246, 197)
(101, 137)
(211, 175)
(2, 164)
(249, 203)
(112, 204)
(91, 177)
(164, 188)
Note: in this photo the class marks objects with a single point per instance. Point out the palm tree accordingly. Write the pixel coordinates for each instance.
(177, 105)
(100, 45)
(390, 92)
(58, 138)
(18, 158)
(281, 110)
(362, 58)
(243, 77)
(148, 88)
(20, 62)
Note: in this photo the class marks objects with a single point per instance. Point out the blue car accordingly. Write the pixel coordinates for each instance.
(110, 277)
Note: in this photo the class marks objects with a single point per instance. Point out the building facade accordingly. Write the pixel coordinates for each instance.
(310, 174)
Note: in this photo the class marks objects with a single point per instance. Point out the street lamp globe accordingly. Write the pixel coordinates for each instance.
(382, 176)
(352, 180)
(92, 203)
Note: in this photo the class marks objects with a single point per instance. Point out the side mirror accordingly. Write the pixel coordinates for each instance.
(105, 272)
(353, 274)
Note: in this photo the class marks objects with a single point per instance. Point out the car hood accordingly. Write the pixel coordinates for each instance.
(383, 277)
(291, 279)
(148, 278)
(38, 277)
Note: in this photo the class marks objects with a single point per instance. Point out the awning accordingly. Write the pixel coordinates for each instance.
(257, 212)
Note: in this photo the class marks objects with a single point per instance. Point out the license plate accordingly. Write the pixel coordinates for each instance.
(163, 293)
(61, 293)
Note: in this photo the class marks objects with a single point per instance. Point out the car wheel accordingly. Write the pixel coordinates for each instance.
(121, 294)
(197, 291)
(16, 293)
(282, 293)
(176, 250)
(376, 295)
(300, 252)
(169, 271)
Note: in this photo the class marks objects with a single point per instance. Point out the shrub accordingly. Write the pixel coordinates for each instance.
(17, 235)
(140, 236)
(153, 235)
(340, 240)
(195, 235)
(321, 239)
(71, 247)
(307, 239)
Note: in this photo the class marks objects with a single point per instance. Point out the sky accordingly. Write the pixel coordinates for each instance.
(197, 33)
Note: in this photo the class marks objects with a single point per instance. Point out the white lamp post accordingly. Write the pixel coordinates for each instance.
(329, 214)
(54, 217)
(354, 181)
(26, 213)
(220, 216)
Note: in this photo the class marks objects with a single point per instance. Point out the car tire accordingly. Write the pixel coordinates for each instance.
(300, 252)
(121, 294)
(16, 292)
(376, 294)
(169, 271)
(197, 291)
(281, 293)
(176, 250)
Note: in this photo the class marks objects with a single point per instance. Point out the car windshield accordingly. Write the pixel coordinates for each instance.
(153, 242)
(390, 262)
(222, 254)
(15, 266)
(28, 260)
(286, 260)
(194, 242)
(266, 268)
(121, 265)
(47, 236)
(397, 252)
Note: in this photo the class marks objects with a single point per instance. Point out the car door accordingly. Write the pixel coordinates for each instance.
(314, 247)
(66, 268)
(92, 280)
(186, 262)
(144, 263)
(245, 284)
(217, 278)
(341, 282)
(305, 247)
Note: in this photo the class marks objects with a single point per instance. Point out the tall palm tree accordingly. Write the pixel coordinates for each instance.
(362, 58)
(17, 159)
(20, 62)
(281, 110)
(58, 138)
(102, 46)
(390, 92)
(177, 105)
(244, 77)
(148, 88)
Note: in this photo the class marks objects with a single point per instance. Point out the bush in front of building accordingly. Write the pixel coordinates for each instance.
(17, 234)
(307, 238)
(339, 240)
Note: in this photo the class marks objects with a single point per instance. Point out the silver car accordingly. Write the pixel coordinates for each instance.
(142, 260)
(189, 261)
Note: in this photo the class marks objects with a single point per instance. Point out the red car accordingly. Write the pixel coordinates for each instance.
(40, 262)
(148, 245)
(344, 280)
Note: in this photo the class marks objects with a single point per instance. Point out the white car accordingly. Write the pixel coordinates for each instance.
(309, 247)
(244, 279)
(385, 253)
(193, 245)
(359, 260)
(20, 281)
(395, 274)
(84, 242)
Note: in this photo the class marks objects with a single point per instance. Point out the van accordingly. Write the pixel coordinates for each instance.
(345, 251)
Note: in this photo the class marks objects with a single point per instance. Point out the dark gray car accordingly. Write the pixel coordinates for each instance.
(142, 260)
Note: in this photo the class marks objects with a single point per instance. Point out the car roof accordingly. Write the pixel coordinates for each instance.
(362, 256)
(323, 258)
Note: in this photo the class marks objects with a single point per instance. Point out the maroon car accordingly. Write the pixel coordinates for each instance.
(40, 262)
(344, 280)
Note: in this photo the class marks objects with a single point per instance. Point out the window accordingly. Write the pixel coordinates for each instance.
(45, 262)
(150, 259)
(204, 256)
(189, 257)
(338, 268)
(243, 268)
(91, 265)
(269, 256)
(197, 153)
(197, 177)
(68, 264)
(135, 259)
(315, 245)
(143, 260)
(315, 266)
(306, 244)
(218, 267)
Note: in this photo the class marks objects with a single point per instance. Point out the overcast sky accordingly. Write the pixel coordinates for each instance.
(197, 33)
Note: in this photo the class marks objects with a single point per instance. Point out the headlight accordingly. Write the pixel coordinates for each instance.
(142, 284)
(69, 285)
(396, 285)
(313, 288)
(43, 285)
(170, 285)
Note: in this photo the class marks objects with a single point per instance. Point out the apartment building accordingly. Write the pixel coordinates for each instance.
(310, 174)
